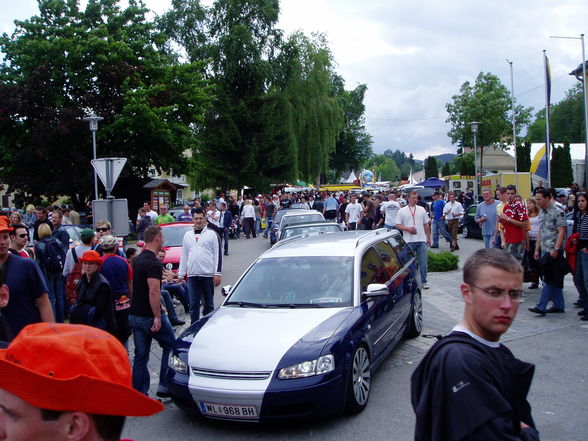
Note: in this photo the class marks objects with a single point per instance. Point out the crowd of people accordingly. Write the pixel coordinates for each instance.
(129, 293)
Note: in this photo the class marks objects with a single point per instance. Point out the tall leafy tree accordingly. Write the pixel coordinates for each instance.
(353, 145)
(524, 156)
(561, 165)
(446, 170)
(383, 167)
(487, 101)
(431, 168)
(67, 61)
(566, 119)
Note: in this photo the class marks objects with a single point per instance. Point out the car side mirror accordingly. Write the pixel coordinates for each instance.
(375, 290)
(225, 290)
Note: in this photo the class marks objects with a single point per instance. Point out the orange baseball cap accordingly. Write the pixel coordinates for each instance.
(66, 367)
(5, 224)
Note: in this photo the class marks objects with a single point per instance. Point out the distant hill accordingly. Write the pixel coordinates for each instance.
(445, 157)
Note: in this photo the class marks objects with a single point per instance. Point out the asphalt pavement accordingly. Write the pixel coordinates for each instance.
(555, 343)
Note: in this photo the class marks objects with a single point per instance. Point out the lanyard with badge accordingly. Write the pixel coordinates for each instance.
(197, 235)
(413, 214)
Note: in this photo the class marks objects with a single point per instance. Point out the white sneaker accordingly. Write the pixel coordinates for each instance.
(425, 286)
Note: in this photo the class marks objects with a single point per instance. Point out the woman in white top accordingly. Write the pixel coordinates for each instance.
(248, 216)
(452, 212)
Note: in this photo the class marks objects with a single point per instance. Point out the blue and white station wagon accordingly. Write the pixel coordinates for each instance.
(302, 330)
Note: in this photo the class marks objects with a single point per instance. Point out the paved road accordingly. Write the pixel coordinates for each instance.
(555, 343)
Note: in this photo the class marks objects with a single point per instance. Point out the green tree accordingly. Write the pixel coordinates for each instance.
(353, 146)
(385, 167)
(487, 101)
(566, 119)
(524, 156)
(446, 170)
(561, 166)
(431, 168)
(463, 165)
(65, 61)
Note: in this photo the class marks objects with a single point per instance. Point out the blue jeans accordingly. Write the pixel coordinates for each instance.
(169, 305)
(179, 290)
(487, 240)
(268, 224)
(440, 227)
(142, 336)
(200, 288)
(56, 287)
(551, 292)
(226, 240)
(498, 242)
(257, 225)
(419, 249)
(581, 278)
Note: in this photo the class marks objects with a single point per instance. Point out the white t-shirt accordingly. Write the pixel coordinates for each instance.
(452, 210)
(390, 210)
(353, 210)
(213, 217)
(413, 217)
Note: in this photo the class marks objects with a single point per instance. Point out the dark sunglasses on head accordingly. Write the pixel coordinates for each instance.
(23, 235)
(101, 230)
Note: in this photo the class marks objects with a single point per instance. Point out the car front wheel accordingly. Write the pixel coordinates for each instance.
(359, 383)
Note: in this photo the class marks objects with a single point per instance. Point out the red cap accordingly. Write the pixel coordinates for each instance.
(5, 224)
(91, 256)
(65, 367)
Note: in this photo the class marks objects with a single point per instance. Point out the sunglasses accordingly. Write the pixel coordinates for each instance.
(102, 230)
(23, 235)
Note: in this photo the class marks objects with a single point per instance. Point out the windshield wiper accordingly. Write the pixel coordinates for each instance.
(297, 305)
(247, 304)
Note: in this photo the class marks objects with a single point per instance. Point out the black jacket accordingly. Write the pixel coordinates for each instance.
(465, 390)
(554, 270)
(95, 304)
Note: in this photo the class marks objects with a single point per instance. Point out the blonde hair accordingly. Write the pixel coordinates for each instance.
(30, 209)
(534, 202)
(44, 231)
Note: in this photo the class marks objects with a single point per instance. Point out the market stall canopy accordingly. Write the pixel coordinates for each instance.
(432, 183)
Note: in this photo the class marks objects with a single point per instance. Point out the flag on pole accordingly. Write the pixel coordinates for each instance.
(547, 100)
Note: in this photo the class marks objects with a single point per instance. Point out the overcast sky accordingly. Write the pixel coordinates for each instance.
(415, 55)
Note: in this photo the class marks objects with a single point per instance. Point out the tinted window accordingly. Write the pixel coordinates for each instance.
(309, 230)
(401, 248)
(389, 259)
(372, 269)
(288, 220)
(300, 281)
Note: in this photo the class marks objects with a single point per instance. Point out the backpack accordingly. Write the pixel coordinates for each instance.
(73, 279)
(53, 258)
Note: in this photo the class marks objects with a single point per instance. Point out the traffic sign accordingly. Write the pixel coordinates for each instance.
(108, 170)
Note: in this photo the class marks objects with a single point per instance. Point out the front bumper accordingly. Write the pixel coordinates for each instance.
(279, 400)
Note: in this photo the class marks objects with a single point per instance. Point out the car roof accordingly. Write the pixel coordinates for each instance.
(310, 224)
(343, 244)
(301, 212)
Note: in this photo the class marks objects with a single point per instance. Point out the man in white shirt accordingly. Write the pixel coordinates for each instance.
(212, 214)
(452, 212)
(389, 209)
(199, 265)
(352, 213)
(413, 221)
(152, 214)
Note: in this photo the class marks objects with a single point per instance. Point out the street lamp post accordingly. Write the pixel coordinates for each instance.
(474, 125)
(514, 127)
(581, 37)
(93, 120)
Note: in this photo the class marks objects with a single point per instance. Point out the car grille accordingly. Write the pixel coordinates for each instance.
(230, 375)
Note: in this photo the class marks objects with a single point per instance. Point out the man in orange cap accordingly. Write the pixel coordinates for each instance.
(67, 382)
(29, 301)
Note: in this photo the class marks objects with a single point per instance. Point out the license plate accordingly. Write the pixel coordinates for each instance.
(227, 410)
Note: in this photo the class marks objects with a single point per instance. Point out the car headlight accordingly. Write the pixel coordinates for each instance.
(177, 364)
(321, 365)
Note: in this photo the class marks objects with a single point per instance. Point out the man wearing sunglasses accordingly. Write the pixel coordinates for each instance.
(469, 385)
(19, 239)
(104, 228)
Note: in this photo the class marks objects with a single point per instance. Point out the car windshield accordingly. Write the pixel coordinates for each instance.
(173, 236)
(281, 213)
(298, 218)
(293, 282)
(309, 230)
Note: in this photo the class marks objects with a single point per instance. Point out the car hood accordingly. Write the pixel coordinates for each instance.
(251, 339)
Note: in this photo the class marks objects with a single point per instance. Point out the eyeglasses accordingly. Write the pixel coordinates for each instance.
(23, 235)
(498, 294)
(102, 230)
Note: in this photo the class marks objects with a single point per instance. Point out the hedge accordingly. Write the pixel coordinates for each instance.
(442, 261)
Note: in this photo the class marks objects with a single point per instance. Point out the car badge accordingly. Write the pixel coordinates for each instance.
(168, 266)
